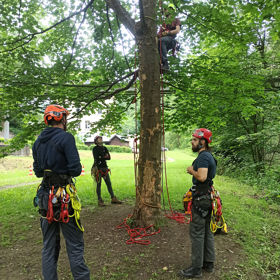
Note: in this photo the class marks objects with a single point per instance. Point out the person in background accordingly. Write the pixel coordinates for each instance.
(167, 34)
(56, 159)
(101, 170)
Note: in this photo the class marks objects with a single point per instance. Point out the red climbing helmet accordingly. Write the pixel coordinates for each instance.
(203, 133)
(54, 112)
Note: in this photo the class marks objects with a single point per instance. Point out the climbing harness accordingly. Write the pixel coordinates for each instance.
(97, 174)
(217, 219)
(59, 204)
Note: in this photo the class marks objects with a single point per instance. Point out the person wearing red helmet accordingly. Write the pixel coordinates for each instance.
(100, 170)
(56, 159)
(203, 170)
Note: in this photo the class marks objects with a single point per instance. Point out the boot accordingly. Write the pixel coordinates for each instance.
(115, 201)
(165, 66)
(191, 272)
(208, 266)
(101, 203)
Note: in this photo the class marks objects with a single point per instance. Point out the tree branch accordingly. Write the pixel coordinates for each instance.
(102, 95)
(31, 36)
(123, 15)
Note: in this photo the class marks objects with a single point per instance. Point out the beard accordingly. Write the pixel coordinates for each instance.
(195, 148)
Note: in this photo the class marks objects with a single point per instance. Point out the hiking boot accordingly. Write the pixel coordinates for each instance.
(115, 201)
(208, 266)
(165, 66)
(101, 203)
(191, 272)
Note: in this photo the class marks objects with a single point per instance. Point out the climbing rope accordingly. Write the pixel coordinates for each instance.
(137, 234)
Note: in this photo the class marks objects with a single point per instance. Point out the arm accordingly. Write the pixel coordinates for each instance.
(107, 155)
(200, 174)
(36, 166)
(74, 167)
(175, 31)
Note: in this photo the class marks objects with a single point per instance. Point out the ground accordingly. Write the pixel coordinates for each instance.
(109, 257)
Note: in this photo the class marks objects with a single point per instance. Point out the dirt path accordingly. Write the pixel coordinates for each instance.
(108, 256)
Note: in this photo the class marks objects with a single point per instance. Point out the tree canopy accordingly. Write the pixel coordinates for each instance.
(80, 53)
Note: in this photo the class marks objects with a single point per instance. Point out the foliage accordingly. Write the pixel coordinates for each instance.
(177, 141)
(76, 54)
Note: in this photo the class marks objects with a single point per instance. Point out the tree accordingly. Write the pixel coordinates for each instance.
(34, 45)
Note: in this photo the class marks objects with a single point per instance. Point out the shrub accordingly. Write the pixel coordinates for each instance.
(115, 149)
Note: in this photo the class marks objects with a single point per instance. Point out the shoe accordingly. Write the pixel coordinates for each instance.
(208, 266)
(101, 203)
(191, 272)
(165, 66)
(115, 201)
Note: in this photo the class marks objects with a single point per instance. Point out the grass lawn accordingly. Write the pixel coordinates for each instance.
(252, 220)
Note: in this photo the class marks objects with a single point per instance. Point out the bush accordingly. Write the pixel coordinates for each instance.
(81, 146)
(115, 149)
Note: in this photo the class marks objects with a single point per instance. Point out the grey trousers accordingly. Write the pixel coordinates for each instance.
(202, 238)
(164, 45)
(74, 245)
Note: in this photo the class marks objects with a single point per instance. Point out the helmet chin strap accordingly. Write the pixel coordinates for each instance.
(64, 122)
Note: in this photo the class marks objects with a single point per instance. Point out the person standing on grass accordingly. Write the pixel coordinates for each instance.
(56, 159)
(203, 171)
(100, 170)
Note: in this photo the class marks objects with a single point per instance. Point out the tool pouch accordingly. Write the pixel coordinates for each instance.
(203, 205)
(94, 172)
(42, 199)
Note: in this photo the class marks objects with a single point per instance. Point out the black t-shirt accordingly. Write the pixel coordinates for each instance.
(205, 160)
(99, 154)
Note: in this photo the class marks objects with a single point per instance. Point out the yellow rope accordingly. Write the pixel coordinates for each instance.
(76, 204)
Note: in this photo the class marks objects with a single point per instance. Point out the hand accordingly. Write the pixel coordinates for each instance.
(165, 33)
(190, 170)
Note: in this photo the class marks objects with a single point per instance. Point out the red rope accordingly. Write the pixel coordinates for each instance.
(179, 217)
(136, 234)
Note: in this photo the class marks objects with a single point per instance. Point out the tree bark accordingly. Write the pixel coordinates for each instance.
(148, 189)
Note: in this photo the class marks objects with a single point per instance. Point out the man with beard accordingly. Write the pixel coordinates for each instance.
(203, 170)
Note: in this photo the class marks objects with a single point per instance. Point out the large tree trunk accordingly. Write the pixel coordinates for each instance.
(148, 189)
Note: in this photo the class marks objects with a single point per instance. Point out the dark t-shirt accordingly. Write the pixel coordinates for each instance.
(205, 160)
(99, 154)
(169, 27)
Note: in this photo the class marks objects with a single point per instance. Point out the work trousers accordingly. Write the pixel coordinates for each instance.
(74, 245)
(166, 44)
(108, 184)
(202, 238)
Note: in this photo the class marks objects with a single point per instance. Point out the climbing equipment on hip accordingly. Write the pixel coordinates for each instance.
(60, 203)
(187, 201)
(76, 204)
(100, 173)
(59, 198)
(217, 219)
